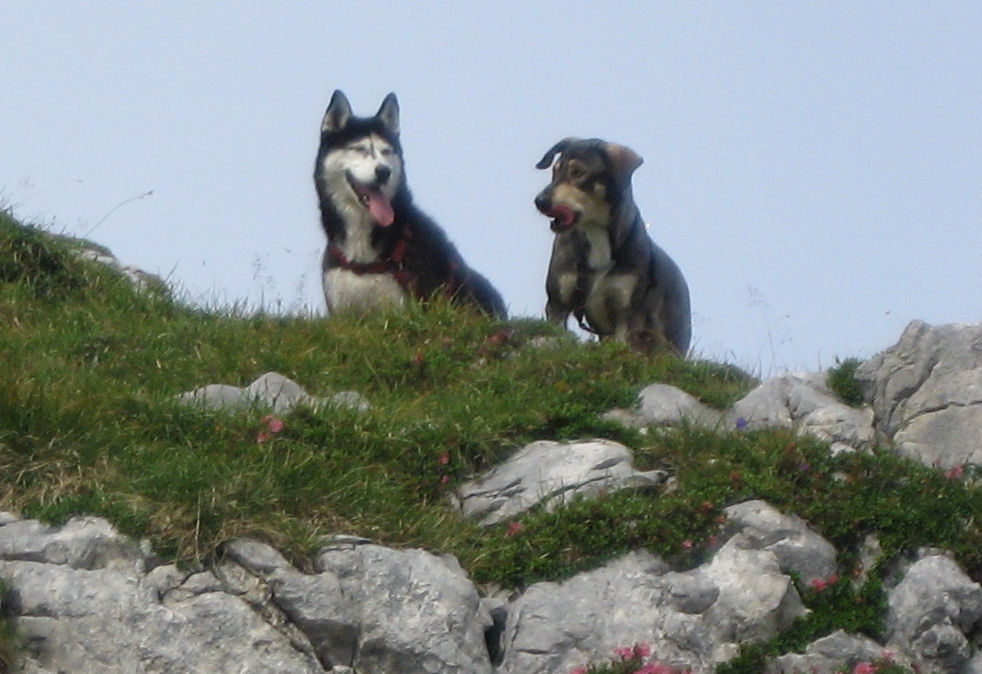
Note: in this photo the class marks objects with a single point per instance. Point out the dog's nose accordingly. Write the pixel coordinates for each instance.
(543, 202)
(382, 174)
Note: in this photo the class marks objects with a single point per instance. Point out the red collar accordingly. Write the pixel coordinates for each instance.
(394, 265)
(391, 265)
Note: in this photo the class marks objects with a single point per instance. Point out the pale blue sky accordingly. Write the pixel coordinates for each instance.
(815, 168)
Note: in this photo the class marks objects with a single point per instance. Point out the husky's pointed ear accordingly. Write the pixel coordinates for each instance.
(337, 114)
(551, 153)
(388, 113)
(623, 160)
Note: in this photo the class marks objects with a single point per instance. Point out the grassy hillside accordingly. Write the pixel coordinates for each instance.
(89, 369)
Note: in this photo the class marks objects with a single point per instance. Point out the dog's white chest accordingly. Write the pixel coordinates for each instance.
(608, 294)
(599, 256)
(347, 291)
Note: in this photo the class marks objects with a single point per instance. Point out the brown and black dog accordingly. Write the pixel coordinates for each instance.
(605, 270)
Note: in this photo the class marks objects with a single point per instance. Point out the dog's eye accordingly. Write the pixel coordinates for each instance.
(576, 172)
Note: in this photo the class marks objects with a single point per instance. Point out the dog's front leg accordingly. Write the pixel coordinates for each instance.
(622, 331)
(557, 313)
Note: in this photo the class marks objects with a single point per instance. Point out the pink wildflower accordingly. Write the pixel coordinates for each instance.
(513, 528)
(578, 670)
(642, 650)
(624, 652)
(273, 426)
(687, 544)
(956, 473)
(864, 668)
(444, 459)
(819, 584)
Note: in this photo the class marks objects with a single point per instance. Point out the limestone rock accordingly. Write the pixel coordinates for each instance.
(694, 619)
(804, 403)
(82, 543)
(666, 405)
(141, 280)
(549, 474)
(927, 393)
(759, 526)
(931, 611)
(756, 601)
(829, 654)
(798, 401)
(379, 610)
(83, 604)
(271, 391)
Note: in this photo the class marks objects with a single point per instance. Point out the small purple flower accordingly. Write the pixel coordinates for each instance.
(741, 424)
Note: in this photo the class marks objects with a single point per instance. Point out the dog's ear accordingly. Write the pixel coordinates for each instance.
(337, 114)
(388, 113)
(547, 158)
(623, 161)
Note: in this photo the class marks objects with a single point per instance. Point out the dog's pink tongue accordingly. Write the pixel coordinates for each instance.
(380, 208)
(564, 216)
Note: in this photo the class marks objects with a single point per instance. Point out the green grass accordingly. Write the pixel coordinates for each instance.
(89, 371)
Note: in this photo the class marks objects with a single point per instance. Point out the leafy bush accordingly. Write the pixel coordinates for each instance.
(842, 381)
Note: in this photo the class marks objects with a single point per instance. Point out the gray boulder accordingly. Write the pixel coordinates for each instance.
(799, 401)
(666, 405)
(550, 474)
(803, 402)
(83, 604)
(829, 654)
(376, 609)
(756, 525)
(82, 543)
(927, 393)
(930, 613)
(141, 280)
(694, 619)
(271, 391)
(757, 599)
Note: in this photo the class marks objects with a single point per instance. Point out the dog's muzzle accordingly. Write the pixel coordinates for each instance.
(372, 198)
(563, 217)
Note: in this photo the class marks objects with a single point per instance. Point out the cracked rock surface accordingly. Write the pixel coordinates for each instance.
(271, 391)
(927, 393)
(550, 474)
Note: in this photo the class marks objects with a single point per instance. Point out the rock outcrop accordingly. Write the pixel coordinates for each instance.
(90, 600)
(799, 401)
(272, 391)
(926, 391)
(87, 599)
(549, 474)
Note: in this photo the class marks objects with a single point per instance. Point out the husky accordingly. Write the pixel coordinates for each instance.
(604, 269)
(381, 249)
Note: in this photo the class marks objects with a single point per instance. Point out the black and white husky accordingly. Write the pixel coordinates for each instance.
(381, 249)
